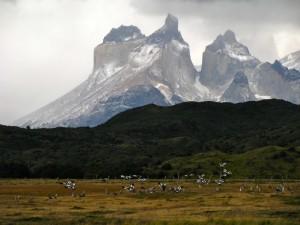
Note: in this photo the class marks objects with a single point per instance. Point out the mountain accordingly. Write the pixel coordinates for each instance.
(226, 57)
(292, 61)
(222, 60)
(275, 81)
(130, 70)
(153, 140)
(239, 90)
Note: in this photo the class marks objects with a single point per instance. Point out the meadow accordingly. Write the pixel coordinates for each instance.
(238, 202)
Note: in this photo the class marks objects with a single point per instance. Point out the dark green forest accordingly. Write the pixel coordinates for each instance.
(257, 139)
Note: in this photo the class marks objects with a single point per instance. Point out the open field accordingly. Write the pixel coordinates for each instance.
(28, 202)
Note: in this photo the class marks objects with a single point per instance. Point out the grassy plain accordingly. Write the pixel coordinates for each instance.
(27, 202)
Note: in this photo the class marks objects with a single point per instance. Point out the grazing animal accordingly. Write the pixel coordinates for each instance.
(162, 186)
(177, 189)
(258, 188)
(243, 187)
(219, 181)
(201, 180)
(130, 188)
(223, 174)
(280, 188)
(126, 177)
(69, 184)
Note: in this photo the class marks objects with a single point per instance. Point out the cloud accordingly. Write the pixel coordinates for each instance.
(257, 23)
(239, 11)
(46, 48)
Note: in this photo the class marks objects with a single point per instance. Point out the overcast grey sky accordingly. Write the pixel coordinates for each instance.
(46, 46)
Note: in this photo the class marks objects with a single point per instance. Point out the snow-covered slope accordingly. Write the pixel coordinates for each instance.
(292, 61)
(130, 70)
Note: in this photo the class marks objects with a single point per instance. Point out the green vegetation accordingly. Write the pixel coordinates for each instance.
(163, 141)
(267, 162)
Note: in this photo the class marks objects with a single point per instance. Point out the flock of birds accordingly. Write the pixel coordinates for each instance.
(130, 181)
(130, 186)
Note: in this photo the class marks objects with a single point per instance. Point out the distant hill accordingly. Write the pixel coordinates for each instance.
(258, 139)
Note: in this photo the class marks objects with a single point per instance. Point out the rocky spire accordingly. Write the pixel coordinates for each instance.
(229, 36)
(168, 32)
(171, 23)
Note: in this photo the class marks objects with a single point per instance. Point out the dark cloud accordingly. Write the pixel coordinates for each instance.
(261, 24)
(238, 11)
(9, 1)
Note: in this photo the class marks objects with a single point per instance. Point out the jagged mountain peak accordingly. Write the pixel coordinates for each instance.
(264, 65)
(229, 37)
(168, 32)
(123, 33)
(222, 59)
(228, 44)
(222, 40)
(239, 90)
(171, 22)
(278, 67)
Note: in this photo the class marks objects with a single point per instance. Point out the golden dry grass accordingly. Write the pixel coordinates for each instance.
(27, 202)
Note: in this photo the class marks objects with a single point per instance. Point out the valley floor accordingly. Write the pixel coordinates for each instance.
(35, 202)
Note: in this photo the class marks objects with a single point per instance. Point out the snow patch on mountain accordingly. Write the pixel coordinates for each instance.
(144, 55)
(262, 97)
(292, 61)
(203, 90)
(179, 46)
(165, 91)
(236, 51)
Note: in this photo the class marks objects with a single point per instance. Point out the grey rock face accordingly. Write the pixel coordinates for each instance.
(123, 33)
(239, 90)
(272, 81)
(288, 74)
(292, 77)
(222, 60)
(292, 61)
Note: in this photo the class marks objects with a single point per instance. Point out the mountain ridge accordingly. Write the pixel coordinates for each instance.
(131, 70)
